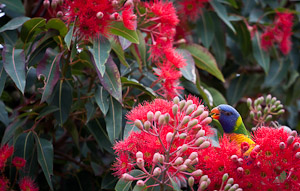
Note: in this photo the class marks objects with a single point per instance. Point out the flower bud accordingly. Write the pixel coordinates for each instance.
(256, 148)
(176, 100)
(258, 164)
(259, 108)
(277, 103)
(46, 4)
(282, 145)
(234, 158)
(297, 155)
(167, 118)
(249, 102)
(156, 157)
(203, 186)
(239, 189)
(59, 14)
(54, 4)
(230, 181)
(240, 170)
(204, 178)
(185, 120)
(175, 110)
(203, 115)
(204, 145)
(191, 181)
(140, 163)
(182, 135)
(197, 113)
(161, 120)
(187, 162)
(197, 173)
(147, 125)
(225, 177)
(129, 3)
(207, 120)
(256, 102)
(251, 114)
(114, 16)
(234, 187)
(140, 183)
(169, 137)
(296, 146)
(273, 100)
(280, 106)
(208, 181)
(115, 3)
(189, 110)
(139, 154)
(157, 171)
(60, 2)
(156, 115)
(280, 112)
(182, 167)
(138, 124)
(192, 123)
(150, 116)
(182, 104)
(199, 141)
(99, 15)
(258, 114)
(188, 103)
(127, 177)
(183, 148)
(253, 155)
(244, 146)
(193, 155)
(240, 161)
(268, 118)
(178, 161)
(268, 99)
(290, 140)
(195, 161)
(200, 133)
(227, 186)
(294, 133)
(161, 158)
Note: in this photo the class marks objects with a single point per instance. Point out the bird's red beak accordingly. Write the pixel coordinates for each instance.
(215, 113)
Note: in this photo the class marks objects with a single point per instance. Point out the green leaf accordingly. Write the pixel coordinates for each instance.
(134, 83)
(204, 60)
(139, 188)
(101, 97)
(278, 72)
(262, 57)
(237, 88)
(68, 37)
(206, 28)
(129, 128)
(175, 185)
(218, 44)
(218, 98)
(45, 158)
(3, 114)
(11, 129)
(100, 52)
(111, 80)
(24, 146)
(49, 69)
(14, 23)
(113, 119)
(117, 48)
(90, 110)
(3, 76)
(119, 29)
(13, 8)
(108, 182)
(123, 185)
(57, 24)
(14, 65)
(188, 71)
(30, 27)
(222, 13)
(243, 37)
(100, 135)
(63, 99)
(139, 50)
(47, 110)
(10, 37)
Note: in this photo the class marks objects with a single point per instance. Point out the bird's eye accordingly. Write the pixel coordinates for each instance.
(227, 113)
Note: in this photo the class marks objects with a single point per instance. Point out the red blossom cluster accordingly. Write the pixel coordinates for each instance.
(27, 184)
(191, 9)
(171, 133)
(274, 164)
(279, 33)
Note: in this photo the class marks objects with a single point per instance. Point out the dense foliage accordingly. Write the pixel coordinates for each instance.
(71, 72)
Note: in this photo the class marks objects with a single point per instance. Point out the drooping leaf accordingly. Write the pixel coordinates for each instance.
(100, 52)
(45, 158)
(261, 56)
(204, 60)
(236, 89)
(10, 37)
(13, 8)
(123, 185)
(30, 27)
(139, 50)
(3, 77)
(111, 80)
(222, 13)
(3, 114)
(108, 181)
(218, 44)
(14, 23)
(14, 65)
(188, 71)
(113, 119)
(206, 28)
(278, 72)
(11, 129)
(24, 146)
(49, 69)
(68, 37)
(117, 48)
(57, 24)
(119, 29)
(101, 97)
(134, 83)
(90, 110)
(47, 110)
(218, 98)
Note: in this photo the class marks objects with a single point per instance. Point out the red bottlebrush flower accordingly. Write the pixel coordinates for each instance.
(92, 16)
(18, 162)
(4, 184)
(174, 57)
(27, 184)
(5, 152)
(267, 39)
(191, 9)
(285, 45)
(165, 11)
(129, 18)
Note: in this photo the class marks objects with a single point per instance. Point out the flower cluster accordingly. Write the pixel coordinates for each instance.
(191, 9)
(279, 33)
(273, 164)
(25, 184)
(166, 147)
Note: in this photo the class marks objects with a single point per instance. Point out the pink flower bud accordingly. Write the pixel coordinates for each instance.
(207, 120)
(297, 155)
(204, 145)
(240, 170)
(244, 146)
(185, 120)
(139, 154)
(240, 161)
(99, 15)
(204, 178)
(187, 162)
(150, 116)
(182, 104)
(175, 110)
(156, 115)
(258, 164)
(169, 137)
(178, 161)
(230, 181)
(115, 16)
(227, 186)
(167, 118)
(198, 112)
(157, 171)
(203, 115)
(296, 146)
(147, 125)
(138, 124)
(183, 148)
(199, 141)
(200, 133)
(140, 163)
(182, 167)
(188, 103)
(182, 135)
(161, 120)
(294, 133)
(127, 177)
(202, 186)
(46, 4)
(129, 3)
(290, 140)
(234, 158)
(192, 123)
(195, 161)
(176, 100)
(155, 157)
(197, 173)
(54, 4)
(59, 14)
(140, 183)
(191, 181)
(256, 148)
(161, 158)
(189, 110)
(282, 145)
(193, 155)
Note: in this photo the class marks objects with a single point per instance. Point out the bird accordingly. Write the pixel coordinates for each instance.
(232, 124)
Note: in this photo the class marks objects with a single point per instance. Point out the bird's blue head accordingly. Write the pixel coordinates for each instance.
(227, 116)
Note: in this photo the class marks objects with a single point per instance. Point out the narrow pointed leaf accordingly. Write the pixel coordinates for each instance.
(261, 56)
(10, 37)
(90, 110)
(3, 114)
(101, 97)
(49, 69)
(11, 129)
(117, 48)
(100, 52)
(45, 158)
(206, 28)
(24, 146)
(119, 29)
(68, 37)
(188, 71)
(3, 77)
(13, 8)
(237, 88)
(14, 64)
(134, 83)
(113, 119)
(30, 27)
(14, 23)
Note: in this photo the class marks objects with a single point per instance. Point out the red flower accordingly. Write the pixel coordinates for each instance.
(27, 184)
(165, 11)
(5, 152)
(4, 183)
(92, 16)
(267, 39)
(18, 162)
(129, 18)
(191, 9)
(174, 57)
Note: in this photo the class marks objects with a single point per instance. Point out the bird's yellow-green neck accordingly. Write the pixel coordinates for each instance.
(240, 128)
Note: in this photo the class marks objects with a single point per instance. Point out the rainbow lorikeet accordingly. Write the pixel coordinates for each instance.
(232, 124)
